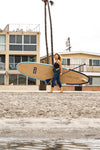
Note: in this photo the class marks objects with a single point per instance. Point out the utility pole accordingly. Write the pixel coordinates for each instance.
(68, 44)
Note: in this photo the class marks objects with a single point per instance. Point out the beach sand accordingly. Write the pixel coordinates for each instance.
(50, 115)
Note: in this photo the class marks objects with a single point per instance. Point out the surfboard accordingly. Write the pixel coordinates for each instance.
(43, 72)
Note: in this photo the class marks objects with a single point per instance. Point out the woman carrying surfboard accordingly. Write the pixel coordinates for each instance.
(57, 73)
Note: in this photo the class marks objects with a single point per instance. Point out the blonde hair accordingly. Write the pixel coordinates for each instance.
(59, 56)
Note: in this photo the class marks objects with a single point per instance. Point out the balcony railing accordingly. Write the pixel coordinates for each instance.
(2, 66)
(22, 28)
(84, 68)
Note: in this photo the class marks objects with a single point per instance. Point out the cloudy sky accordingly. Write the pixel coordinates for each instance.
(77, 19)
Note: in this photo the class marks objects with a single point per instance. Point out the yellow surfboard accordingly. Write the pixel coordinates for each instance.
(43, 72)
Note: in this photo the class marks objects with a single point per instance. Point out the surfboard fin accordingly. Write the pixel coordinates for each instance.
(84, 80)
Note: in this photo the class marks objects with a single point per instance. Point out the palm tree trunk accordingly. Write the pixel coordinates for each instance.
(52, 53)
(46, 41)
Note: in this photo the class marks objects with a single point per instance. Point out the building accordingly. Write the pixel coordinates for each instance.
(74, 59)
(18, 43)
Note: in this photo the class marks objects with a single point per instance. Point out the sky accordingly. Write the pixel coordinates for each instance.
(77, 19)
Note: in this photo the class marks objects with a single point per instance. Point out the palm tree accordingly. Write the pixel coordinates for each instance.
(45, 21)
(51, 2)
(46, 2)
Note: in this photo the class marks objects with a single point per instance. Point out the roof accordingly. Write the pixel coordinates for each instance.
(75, 52)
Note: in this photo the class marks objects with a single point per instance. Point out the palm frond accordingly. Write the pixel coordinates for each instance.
(44, 0)
(51, 2)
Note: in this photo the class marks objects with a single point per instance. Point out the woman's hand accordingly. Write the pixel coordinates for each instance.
(60, 74)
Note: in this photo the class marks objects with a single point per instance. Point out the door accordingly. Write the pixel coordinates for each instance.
(76, 64)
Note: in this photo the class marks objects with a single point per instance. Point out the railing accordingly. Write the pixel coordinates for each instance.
(2, 66)
(84, 68)
(22, 28)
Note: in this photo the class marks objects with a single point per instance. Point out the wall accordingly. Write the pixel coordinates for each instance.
(75, 56)
(84, 88)
(19, 88)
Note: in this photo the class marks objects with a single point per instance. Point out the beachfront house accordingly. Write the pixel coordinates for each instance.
(18, 43)
(91, 68)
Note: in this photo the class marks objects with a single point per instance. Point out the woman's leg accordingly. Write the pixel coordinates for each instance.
(53, 82)
(59, 83)
(53, 79)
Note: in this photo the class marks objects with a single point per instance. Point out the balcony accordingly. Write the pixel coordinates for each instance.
(84, 68)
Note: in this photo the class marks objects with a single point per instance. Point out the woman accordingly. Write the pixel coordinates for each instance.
(57, 73)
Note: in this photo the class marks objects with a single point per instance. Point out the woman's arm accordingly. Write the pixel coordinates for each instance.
(59, 62)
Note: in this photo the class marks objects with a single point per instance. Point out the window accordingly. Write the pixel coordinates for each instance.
(26, 39)
(2, 62)
(12, 39)
(17, 59)
(2, 42)
(94, 62)
(19, 39)
(15, 47)
(29, 47)
(24, 58)
(12, 65)
(33, 39)
(2, 58)
(15, 39)
(94, 81)
(23, 43)
(66, 61)
(13, 79)
(30, 39)
(14, 60)
(90, 62)
(1, 79)
(21, 80)
(31, 81)
(32, 58)
(90, 80)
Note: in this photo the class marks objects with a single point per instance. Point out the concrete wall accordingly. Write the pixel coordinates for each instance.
(84, 88)
(36, 88)
(19, 87)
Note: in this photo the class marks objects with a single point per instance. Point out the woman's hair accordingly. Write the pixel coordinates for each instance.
(59, 57)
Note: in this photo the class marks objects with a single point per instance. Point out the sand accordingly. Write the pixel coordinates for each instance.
(50, 115)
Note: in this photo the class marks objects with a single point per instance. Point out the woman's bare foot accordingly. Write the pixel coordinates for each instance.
(51, 91)
(61, 90)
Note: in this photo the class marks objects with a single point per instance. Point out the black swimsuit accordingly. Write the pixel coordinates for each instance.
(56, 65)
